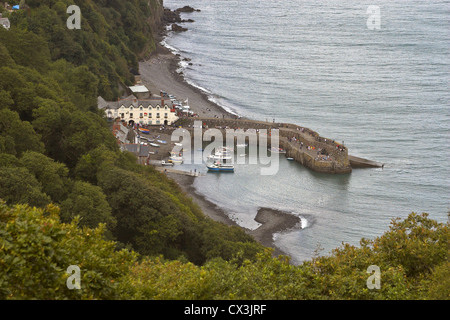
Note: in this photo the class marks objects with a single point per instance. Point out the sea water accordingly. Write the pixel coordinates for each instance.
(383, 92)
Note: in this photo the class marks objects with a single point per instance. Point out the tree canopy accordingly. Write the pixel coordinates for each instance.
(37, 249)
(69, 196)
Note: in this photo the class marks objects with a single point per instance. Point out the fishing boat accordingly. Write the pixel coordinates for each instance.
(277, 150)
(175, 159)
(169, 163)
(154, 144)
(219, 156)
(218, 166)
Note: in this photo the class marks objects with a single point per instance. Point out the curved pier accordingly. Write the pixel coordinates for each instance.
(304, 145)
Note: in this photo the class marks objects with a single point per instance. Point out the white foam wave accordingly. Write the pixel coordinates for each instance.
(211, 96)
(303, 222)
(168, 46)
(182, 66)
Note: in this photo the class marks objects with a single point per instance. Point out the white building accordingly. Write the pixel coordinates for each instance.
(5, 22)
(154, 111)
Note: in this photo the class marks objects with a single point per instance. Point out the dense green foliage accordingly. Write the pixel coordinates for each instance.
(36, 249)
(70, 197)
(112, 35)
(56, 147)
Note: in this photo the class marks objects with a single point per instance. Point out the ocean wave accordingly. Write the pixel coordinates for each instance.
(303, 222)
(168, 46)
(183, 65)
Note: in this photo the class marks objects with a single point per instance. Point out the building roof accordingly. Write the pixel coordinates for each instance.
(133, 148)
(130, 101)
(121, 132)
(143, 151)
(139, 89)
(5, 22)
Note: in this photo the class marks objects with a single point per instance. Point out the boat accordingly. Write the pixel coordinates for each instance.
(219, 156)
(143, 130)
(242, 145)
(161, 141)
(178, 144)
(169, 163)
(175, 159)
(218, 166)
(276, 150)
(154, 144)
(290, 159)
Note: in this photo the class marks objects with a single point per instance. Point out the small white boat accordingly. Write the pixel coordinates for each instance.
(276, 150)
(154, 144)
(218, 166)
(219, 157)
(167, 163)
(290, 159)
(161, 141)
(178, 144)
(242, 145)
(175, 159)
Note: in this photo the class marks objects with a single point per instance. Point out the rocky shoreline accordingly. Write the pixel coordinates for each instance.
(272, 221)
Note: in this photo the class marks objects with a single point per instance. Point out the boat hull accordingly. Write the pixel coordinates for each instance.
(221, 169)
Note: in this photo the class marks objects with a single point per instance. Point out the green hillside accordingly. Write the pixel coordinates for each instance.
(69, 196)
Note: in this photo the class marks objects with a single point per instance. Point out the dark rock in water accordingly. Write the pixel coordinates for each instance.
(171, 16)
(186, 9)
(177, 28)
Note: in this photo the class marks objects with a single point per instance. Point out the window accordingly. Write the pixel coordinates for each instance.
(157, 115)
(131, 115)
(165, 115)
(141, 115)
(122, 115)
(131, 108)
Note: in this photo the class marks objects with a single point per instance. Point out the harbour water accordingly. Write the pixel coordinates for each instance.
(383, 92)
